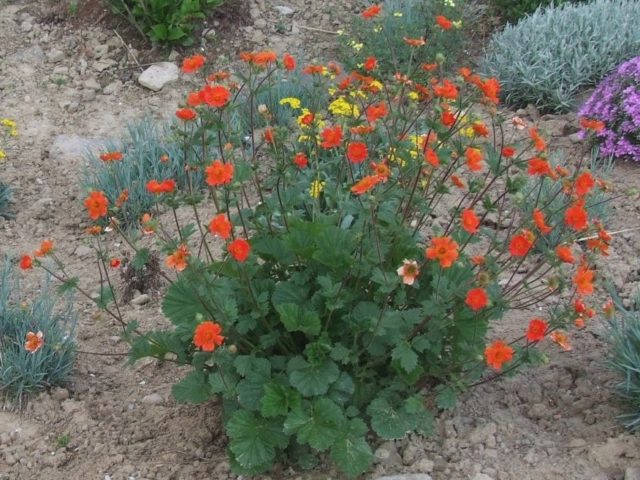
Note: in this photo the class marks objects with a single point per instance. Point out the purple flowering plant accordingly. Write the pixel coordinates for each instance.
(616, 103)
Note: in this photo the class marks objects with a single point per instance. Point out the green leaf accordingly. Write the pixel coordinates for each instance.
(340, 353)
(298, 319)
(106, 296)
(404, 354)
(141, 259)
(351, 452)
(182, 302)
(246, 364)
(278, 400)
(342, 389)
(317, 424)
(193, 388)
(68, 285)
(289, 292)
(310, 379)
(253, 440)
(446, 398)
(388, 422)
(250, 391)
(425, 422)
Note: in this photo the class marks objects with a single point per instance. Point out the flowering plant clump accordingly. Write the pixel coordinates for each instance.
(612, 113)
(344, 265)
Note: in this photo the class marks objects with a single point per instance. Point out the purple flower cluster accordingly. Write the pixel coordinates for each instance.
(616, 102)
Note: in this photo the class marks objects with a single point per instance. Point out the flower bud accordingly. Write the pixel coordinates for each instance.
(262, 109)
(233, 349)
(440, 58)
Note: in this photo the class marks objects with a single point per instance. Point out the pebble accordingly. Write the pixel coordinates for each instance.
(141, 299)
(284, 10)
(26, 26)
(60, 394)
(153, 399)
(112, 88)
(387, 454)
(157, 76)
(55, 55)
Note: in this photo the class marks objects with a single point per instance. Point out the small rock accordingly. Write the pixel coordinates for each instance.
(406, 476)
(410, 453)
(88, 95)
(632, 473)
(115, 339)
(141, 299)
(61, 70)
(387, 454)
(102, 65)
(260, 23)
(112, 88)
(173, 55)
(577, 443)
(26, 26)
(100, 50)
(55, 56)
(538, 410)
(60, 394)
(157, 76)
(575, 137)
(91, 84)
(153, 399)
(210, 34)
(43, 209)
(533, 113)
(424, 465)
(10, 459)
(284, 10)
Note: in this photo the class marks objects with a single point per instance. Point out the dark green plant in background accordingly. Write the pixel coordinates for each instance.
(165, 21)
(513, 10)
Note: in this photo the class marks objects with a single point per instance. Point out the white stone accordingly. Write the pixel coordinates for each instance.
(284, 10)
(157, 76)
(152, 399)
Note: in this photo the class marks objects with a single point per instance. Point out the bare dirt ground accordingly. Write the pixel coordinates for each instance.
(70, 82)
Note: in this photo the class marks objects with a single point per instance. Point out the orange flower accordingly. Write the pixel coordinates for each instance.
(583, 279)
(194, 99)
(521, 244)
(122, 198)
(26, 262)
(239, 249)
(193, 64)
(537, 329)
(414, 42)
(207, 336)
(539, 220)
(178, 259)
(114, 262)
(158, 188)
(268, 136)
(366, 183)
(331, 136)
(497, 354)
(470, 221)
(444, 22)
(561, 339)
(478, 260)
(446, 90)
(597, 245)
(96, 204)
(429, 67)
(215, 95)
(289, 62)
(218, 76)
(95, 230)
(357, 152)
(308, 119)
(576, 216)
(591, 124)
(111, 157)
(584, 183)
(457, 181)
(45, 247)
(313, 70)
(579, 323)
(34, 341)
(408, 271)
(376, 111)
(219, 173)
(508, 152)
(220, 226)
(264, 58)
(382, 170)
(474, 158)
(301, 160)
(579, 306)
(609, 309)
(448, 119)
(477, 299)
(186, 114)
(246, 56)
(538, 143)
(147, 224)
(371, 12)
(480, 129)
(539, 166)
(370, 64)
(564, 254)
(431, 157)
(443, 249)
(491, 90)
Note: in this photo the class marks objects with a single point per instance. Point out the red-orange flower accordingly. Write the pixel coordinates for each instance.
(447, 118)
(301, 160)
(431, 157)
(96, 204)
(583, 184)
(457, 181)
(371, 12)
(477, 299)
(34, 341)
(429, 67)
(289, 62)
(591, 124)
(264, 58)
(480, 129)
(147, 224)
(474, 158)
(539, 220)
(268, 136)
(26, 262)
(443, 249)
(220, 226)
(444, 22)
(239, 249)
(408, 271)
(111, 157)
(45, 247)
(215, 95)
(539, 166)
(114, 262)
(158, 188)
(193, 64)
(497, 354)
(446, 90)
(561, 339)
(376, 111)
(491, 90)
(414, 42)
(366, 183)
(382, 170)
(194, 99)
(357, 152)
(470, 221)
(565, 254)
(576, 216)
(186, 114)
(508, 152)
(178, 259)
(521, 244)
(583, 280)
(536, 330)
(371, 63)
(219, 173)
(207, 336)
(478, 260)
(122, 198)
(538, 142)
(331, 137)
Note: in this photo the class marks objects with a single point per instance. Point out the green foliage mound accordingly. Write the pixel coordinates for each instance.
(550, 56)
(513, 10)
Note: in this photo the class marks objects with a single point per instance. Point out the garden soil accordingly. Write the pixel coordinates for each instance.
(70, 83)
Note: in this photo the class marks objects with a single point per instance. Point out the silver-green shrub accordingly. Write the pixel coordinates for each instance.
(5, 197)
(551, 55)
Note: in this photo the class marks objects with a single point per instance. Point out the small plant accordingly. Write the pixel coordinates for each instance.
(63, 441)
(625, 358)
(37, 337)
(165, 21)
(5, 198)
(612, 113)
(553, 54)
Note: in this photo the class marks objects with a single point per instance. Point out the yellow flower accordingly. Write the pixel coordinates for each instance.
(340, 106)
(413, 96)
(394, 157)
(291, 101)
(457, 23)
(468, 132)
(397, 14)
(357, 94)
(377, 29)
(356, 46)
(376, 84)
(8, 123)
(2, 155)
(316, 187)
(449, 3)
